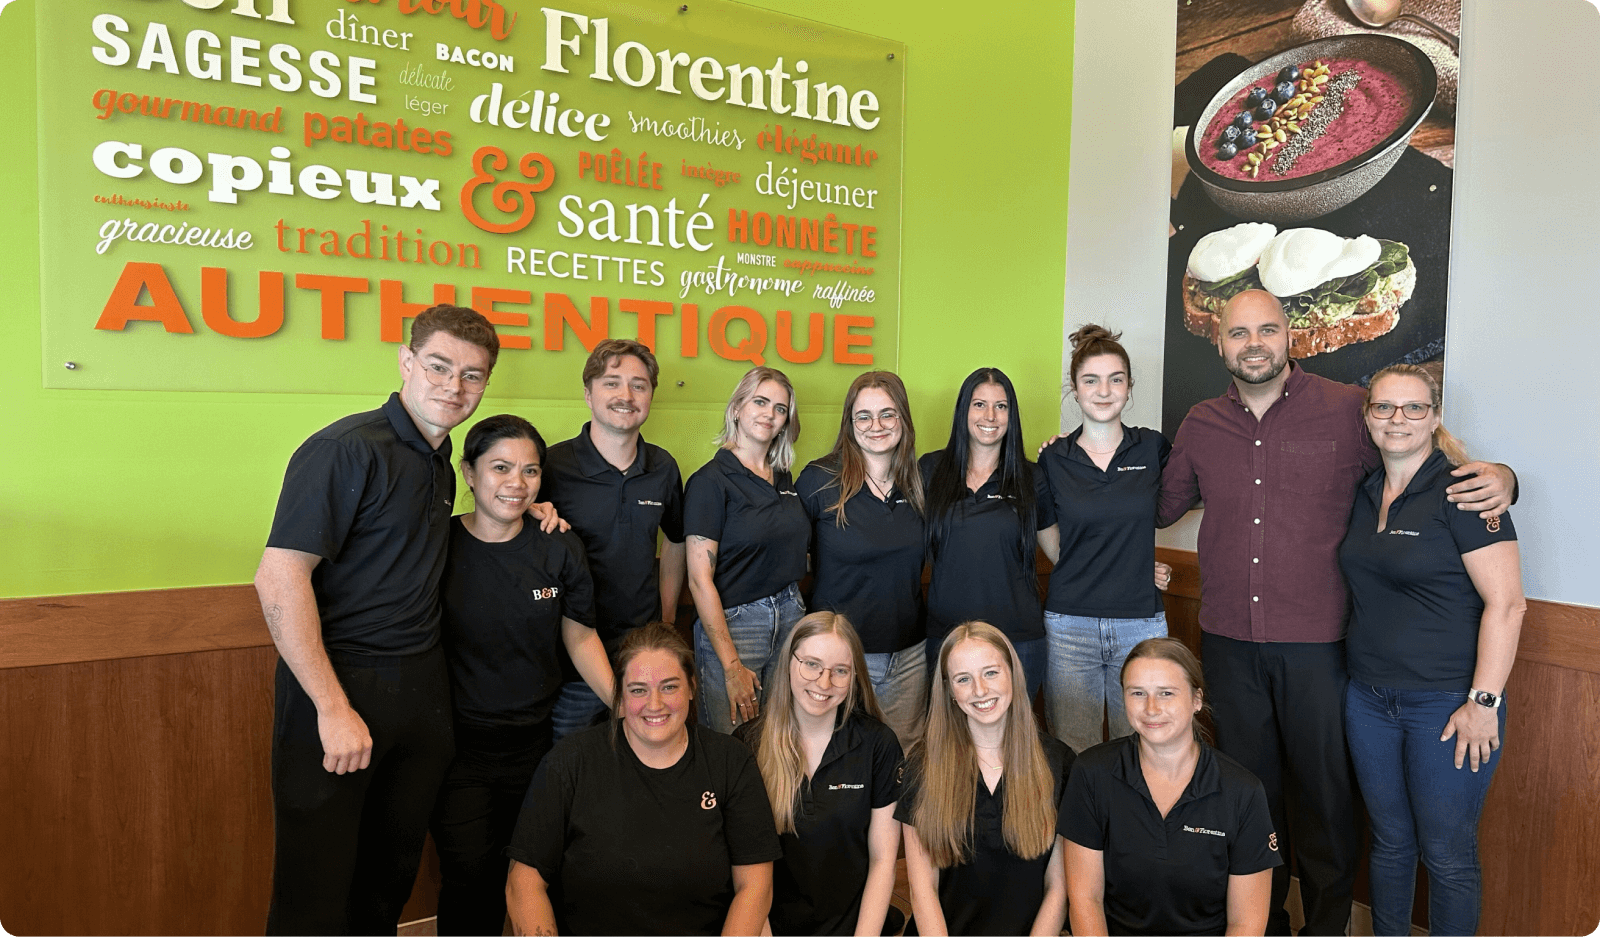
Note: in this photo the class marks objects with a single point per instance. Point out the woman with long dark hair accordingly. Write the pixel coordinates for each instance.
(983, 498)
(864, 500)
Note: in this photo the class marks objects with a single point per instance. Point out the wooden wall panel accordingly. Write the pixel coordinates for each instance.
(64, 629)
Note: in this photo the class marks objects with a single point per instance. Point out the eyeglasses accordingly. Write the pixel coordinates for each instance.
(812, 669)
(1413, 411)
(472, 382)
(886, 419)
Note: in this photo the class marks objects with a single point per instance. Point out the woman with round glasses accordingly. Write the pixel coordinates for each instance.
(864, 500)
(747, 535)
(831, 769)
(1436, 608)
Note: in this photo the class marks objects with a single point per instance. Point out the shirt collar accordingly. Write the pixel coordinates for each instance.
(592, 463)
(1426, 475)
(1077, 453)
(406, 428)
(732, 466)
(1207, 777)
(1291, 385)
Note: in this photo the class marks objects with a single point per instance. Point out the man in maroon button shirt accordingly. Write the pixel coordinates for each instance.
(1277, 460)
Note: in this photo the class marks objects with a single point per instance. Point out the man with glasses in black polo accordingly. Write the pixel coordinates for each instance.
(349, 584)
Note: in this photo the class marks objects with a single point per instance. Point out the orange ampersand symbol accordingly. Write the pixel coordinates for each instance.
(507, 196)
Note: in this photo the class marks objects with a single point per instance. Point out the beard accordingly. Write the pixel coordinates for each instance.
(1274, 367)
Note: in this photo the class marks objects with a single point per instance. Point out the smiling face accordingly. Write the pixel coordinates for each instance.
(504, 480)
(828, 655)
(875, 421)
(979, 677)
(439, 408)
(1397, 435)
(988, 416)
(619, 399)
(655, 697)
(1159, 700)
(1102, 387)
(1254, 339)
(763, 416)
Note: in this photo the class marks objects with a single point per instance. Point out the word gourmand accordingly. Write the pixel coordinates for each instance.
(734, 332)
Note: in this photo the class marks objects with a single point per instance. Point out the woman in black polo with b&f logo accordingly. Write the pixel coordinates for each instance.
(1166, 835)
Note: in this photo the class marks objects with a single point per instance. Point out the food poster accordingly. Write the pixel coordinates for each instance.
(1312, 158)
(255, 195)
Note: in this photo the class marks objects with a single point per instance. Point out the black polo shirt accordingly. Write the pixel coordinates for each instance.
(981, 571)
(817, 885)
(1168, 875)
(1414, 611)
(760, 528)
(503, 605)
(630, 849)
(1108, 525)
(373, 499)
(870, 570)
(997, 892)
(616, 515)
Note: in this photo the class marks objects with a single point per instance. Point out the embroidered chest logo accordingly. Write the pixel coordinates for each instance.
(1493, 524)
(1201, 829)
(792, 494)
(846, 787)
(1132, 468)
(708, 801)
(1397, 532)
(546, 593)
(653, 504)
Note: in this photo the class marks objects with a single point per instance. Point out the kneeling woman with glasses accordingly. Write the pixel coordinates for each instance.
(832, 772)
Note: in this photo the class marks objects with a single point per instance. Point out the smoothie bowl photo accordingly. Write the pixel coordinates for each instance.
(1312, 128)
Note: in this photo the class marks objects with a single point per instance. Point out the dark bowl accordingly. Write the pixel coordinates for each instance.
(1315, 194)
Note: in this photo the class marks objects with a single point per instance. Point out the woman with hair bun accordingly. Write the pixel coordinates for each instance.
(1436, 609)
(1102, 483)
(1165, 834)
(982, 793)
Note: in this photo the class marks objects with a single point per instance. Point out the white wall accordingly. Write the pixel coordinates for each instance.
(1523, 333)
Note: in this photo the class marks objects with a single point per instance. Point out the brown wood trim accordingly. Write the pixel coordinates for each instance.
(1553, 633)
(68, 629)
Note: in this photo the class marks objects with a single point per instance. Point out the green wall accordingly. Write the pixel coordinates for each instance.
(115, 490)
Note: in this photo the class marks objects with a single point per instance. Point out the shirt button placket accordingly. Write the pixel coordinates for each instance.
(1258, 544)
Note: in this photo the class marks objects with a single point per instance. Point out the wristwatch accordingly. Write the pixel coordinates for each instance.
(1485, 698)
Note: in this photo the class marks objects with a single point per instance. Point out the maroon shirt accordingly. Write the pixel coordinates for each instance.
(1277, 495)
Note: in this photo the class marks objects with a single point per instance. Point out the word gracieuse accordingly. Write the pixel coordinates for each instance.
(182, 235)
(636, 66)
(233, 174)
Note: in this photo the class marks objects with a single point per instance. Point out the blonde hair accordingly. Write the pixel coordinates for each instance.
(946, 761)
(850, 468)
(780, 452)
(1443, 439)
(779, 754)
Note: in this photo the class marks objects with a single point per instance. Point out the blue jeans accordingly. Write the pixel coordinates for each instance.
(1033, 655)
(575, 709)
(900, 682)
(1418, 801)
(758, 629)
(1084, 678)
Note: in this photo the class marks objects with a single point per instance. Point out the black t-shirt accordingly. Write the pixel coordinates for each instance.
(503, 605)
(981, 572)
(373, 499)
(1414, 611)
(998, 892)
(630, 849)
(1108, 525)
(817, 885)
(616, 515)
(870, 570)
(1168, 875)
(760, 528)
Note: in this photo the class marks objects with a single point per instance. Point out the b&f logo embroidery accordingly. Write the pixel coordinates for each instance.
(652, 504)
(1201, 829)
(708, 801)
(1132, 468)
(548, 593)
(1493, 524)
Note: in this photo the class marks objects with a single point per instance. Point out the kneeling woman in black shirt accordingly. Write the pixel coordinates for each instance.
(513, 596)
(981, 795)
(1166, 835)
(832, 772)
(648, 825)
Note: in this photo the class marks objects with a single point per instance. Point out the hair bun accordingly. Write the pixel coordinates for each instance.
(1092, 333)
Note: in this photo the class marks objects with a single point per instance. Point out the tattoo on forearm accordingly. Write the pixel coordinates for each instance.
(274, 615)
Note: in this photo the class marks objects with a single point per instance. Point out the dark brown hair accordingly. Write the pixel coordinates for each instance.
(1091, 340)
(608, 351)
(469, 325)
(1171, 649)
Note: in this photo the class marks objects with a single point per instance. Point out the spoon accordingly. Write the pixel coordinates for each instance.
(1380, 13)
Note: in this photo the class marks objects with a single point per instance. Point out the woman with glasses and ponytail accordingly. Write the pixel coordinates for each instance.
(831, 769)
(864, 500)
(1436, 608)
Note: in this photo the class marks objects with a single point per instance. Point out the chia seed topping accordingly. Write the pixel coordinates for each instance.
(1316, 125)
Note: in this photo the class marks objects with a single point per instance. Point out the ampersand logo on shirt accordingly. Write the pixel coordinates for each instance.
(1493, 524)
(1272, 841)
(708, 801)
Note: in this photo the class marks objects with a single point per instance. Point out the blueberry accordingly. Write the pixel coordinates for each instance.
(1283, 92)
(1230, 133)
(1267, 109)
(1255, 97)
(1289, 73)
(1227, 150)
(1245, 120)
